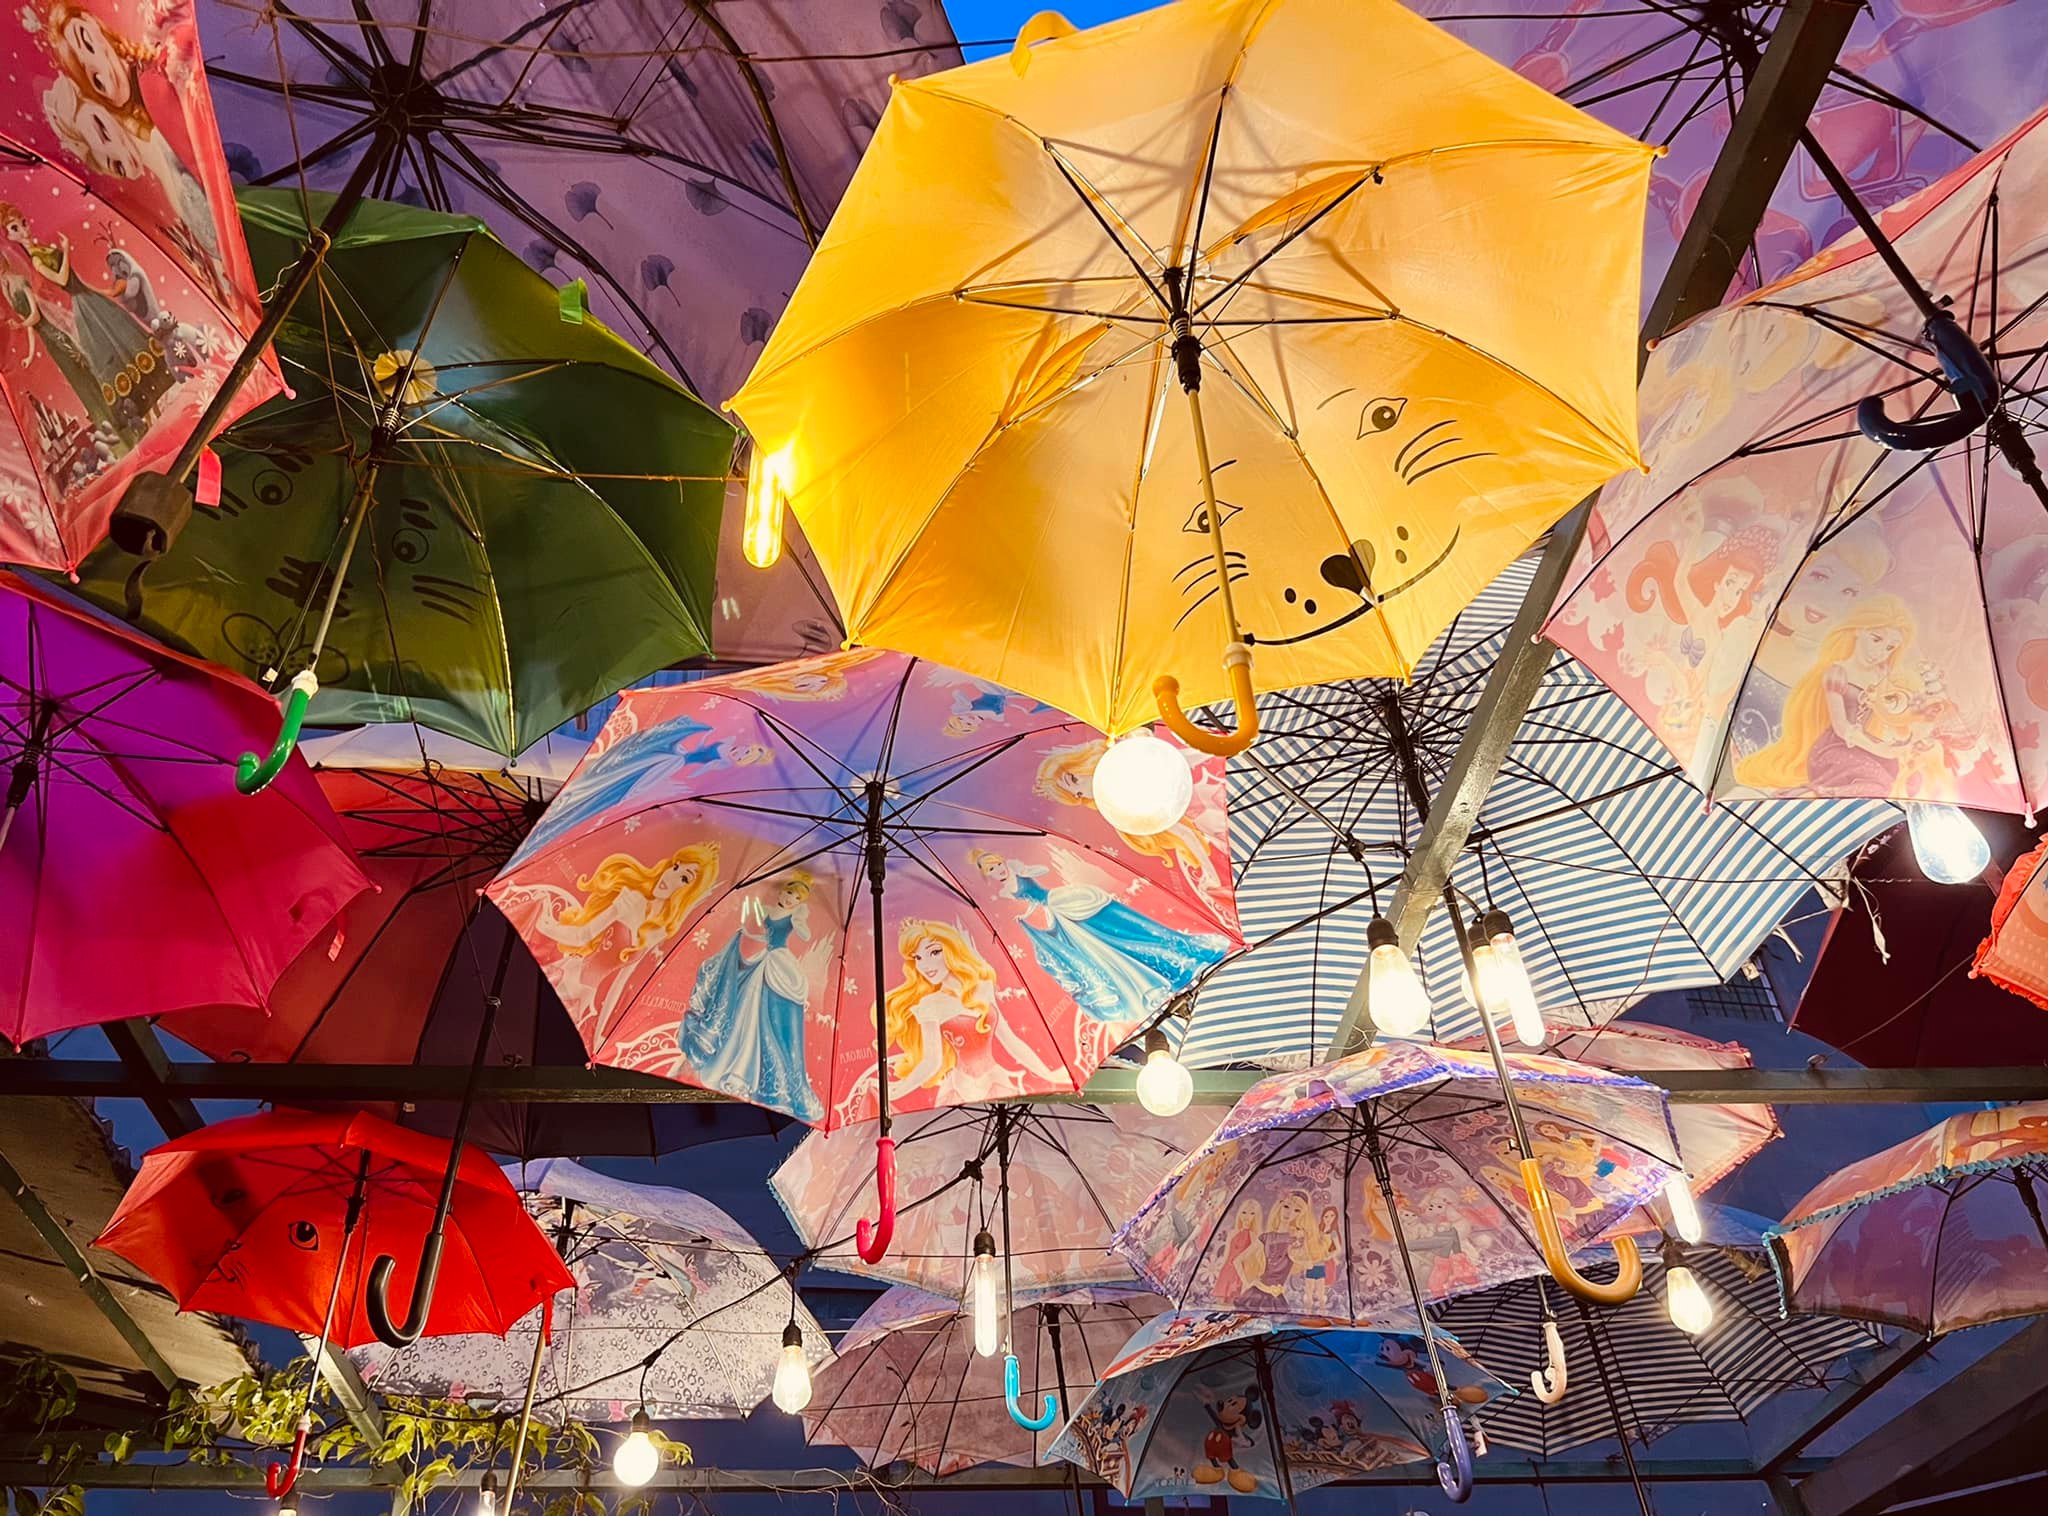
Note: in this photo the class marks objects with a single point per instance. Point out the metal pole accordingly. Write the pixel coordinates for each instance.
(1606, 1373)
(540, 1338)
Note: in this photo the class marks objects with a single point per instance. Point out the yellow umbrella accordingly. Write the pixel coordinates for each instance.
(1397, 284)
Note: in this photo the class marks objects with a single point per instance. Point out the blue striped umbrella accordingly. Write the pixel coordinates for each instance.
(1618, 877)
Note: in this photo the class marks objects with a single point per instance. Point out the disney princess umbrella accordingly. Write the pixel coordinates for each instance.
(752, 879)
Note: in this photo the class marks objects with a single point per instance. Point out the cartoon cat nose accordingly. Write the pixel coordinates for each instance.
(1350, 571)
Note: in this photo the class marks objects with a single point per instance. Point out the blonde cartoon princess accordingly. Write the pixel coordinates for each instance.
(1067, 775)
(821, 678)
(942, 1018)
(645, 904)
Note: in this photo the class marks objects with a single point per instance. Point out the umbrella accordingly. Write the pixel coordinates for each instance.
(1942, 1231)
(1269, 1406)
(458, 471)
(240, 1218)
(413, 972)
(1413, 306)
(120, 820)
(1807, 595)
(2015, 955)
(1075, 1172)
(124, 285)
(675, 1310)
(909, 1385)
(695, 891)
(1652, 1375)
(1618, 880)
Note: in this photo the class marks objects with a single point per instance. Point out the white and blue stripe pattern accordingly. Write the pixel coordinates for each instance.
(1619, 879)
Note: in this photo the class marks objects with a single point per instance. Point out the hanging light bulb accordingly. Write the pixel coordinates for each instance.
(288, 1506)
(983, 1298)
(1142, 784)
(1946, 843)
(1395, 997)
(1685, 1211)
(1513, 975)
(768, 477)
(638, 1459)
(792, 1390)
(1164, 1085)
(487, 1495)
(1691, 1311)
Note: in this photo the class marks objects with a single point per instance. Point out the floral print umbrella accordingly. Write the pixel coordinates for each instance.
(658, 1272)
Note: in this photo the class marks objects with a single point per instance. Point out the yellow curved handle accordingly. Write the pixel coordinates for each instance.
(1559, 1261)
(1237, 663)
(1043, 27)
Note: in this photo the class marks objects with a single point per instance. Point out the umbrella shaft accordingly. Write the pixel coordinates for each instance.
(1867, 223)
(540, 1342)
(360, 508)
(1386, 1184)
(878, 870)
(1601, 1367)
(1223, 591)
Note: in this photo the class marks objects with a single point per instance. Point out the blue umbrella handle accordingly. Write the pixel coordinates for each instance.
(1012, 1384)
(1970, 378)
(253, 775)
(1455, 1472)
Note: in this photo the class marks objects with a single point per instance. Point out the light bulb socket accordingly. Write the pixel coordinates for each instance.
(641, 1424)
(1155, 1042)
(792, 1336)
(1673, 1254)
(1380, 933)
(1494, 923)
(984, 1244)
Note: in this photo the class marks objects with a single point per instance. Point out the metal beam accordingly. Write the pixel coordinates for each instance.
(80, 1268)
(1859, 1385)
(297, 1083)
(1777, 98)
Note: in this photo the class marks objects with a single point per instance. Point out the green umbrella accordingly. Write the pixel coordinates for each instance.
(523, 510)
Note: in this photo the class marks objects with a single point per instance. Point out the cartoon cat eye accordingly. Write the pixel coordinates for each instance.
(1198, 519)
(1380, 415)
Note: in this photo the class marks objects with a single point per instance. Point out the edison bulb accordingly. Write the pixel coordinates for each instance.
(1483, 988)
(1143, 785)
(1946, 844)
(638, 1459)
(984, 1296)
(792, 1390)
(1691, 1311)
(1394, 995)
(487, 1496)
(1685, 1211)
(1513, 975)
(1165, 1087)
(767, 501)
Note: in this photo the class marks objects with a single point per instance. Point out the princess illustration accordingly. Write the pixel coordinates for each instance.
(744, 1030)
(822, 678)
(611, 777)
(1244, 1257)
(943, 1018)
(976, 703)
(1066, 775)
(1116, 964)
(628, 908)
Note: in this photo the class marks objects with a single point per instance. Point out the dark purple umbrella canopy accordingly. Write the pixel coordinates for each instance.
(678, 156)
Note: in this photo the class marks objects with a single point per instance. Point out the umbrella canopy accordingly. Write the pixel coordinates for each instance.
(2015, 955)
(1619, 880)
(1402, 318)
(470, 466)
(1075, 1172)
(1279, 1213)
(1659, 1377)
(249, 1218)
(1797, 607)
(405, 974)
(675, 1310)
(121, 817)
(1942, 1231)
(125, 289)
(1260, 1406)
(908, 1384)
(701, 893)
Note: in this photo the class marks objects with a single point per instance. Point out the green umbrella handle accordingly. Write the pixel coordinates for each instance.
(253, 776)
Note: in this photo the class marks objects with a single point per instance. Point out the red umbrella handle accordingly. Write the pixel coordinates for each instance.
(279, 1478)
(873, 1241)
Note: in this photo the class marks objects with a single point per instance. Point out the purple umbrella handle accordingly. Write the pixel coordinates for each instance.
(1971, 380)
(253, 775)
(874, 1241)
(1455, 1472)
(1013, 1385)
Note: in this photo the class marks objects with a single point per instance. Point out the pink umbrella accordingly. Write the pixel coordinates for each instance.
(857, 881)
(121, 823)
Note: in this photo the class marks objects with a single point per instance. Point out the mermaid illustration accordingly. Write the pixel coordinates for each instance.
(943, 1019)
(1067, 775)
(1115, 963)
(744, 1030)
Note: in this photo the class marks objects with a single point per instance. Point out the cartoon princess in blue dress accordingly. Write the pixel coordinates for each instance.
(608, 780)
(744, 1030)
(1116, 963)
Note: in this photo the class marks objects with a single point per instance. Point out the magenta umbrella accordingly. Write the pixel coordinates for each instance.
(121, 822)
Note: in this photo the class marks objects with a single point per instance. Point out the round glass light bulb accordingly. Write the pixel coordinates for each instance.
(1691, 1311)
(1165, 1087)
(1143, 785)
(1685, 1211)
(1946, 843)
(638, 1459)
(792, 1391)
(984, 1296)
(1394, 996)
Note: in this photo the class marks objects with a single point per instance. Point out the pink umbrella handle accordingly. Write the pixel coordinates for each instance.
(279, 1478)
(873, 1241)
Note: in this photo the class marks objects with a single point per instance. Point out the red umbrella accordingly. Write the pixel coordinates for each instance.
(260, 1218)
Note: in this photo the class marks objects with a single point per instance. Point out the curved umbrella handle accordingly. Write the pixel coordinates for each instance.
(1237, 663)
(1012, 1385)
(376, 1300)
(253, 775)
(1454, 1473)
(873, 1241)
(1970, 378)
(278, 1478)
(1548, 1384)
(1627, 1280)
